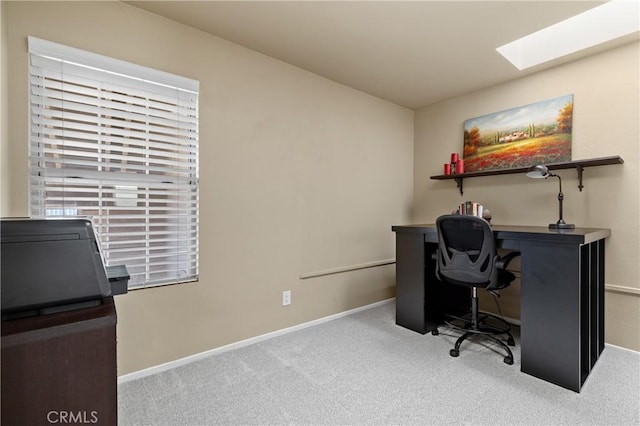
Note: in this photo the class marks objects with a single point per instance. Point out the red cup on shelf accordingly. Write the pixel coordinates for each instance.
(447, 169)
(454, 157)
(459, 166)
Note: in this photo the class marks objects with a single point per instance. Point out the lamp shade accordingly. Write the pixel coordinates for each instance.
(538, 171)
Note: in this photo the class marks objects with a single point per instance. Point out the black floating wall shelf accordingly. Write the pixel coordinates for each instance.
(579, 165)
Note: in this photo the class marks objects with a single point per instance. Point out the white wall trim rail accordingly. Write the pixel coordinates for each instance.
(347, 268)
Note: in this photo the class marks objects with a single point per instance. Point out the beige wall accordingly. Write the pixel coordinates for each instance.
(297, 174)
(606, 122)
(5, 175)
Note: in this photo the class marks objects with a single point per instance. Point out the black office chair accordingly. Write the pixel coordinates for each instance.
(467, 256)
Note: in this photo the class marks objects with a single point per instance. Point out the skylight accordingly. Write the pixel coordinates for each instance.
(610, 21)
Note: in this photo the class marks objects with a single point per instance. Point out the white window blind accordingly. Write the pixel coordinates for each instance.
(118, 143)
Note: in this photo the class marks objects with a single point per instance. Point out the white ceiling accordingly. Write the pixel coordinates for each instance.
(411, 53)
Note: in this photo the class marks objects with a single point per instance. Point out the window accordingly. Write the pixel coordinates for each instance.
(117, 143)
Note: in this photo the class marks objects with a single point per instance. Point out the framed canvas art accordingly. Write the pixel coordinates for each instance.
(538, 133)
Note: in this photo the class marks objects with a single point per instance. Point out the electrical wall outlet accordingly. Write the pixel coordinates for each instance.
(286, 297)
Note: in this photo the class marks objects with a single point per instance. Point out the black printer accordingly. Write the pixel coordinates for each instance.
(54, 265)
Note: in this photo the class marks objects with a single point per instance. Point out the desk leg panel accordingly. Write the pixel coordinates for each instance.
(592, 307)
(550, 313)
(410, 282)
(597, 283)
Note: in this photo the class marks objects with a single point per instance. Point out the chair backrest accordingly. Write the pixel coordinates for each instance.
(466, 251)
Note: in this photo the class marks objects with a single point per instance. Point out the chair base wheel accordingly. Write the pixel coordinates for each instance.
(511, 342)
(508, 360)
(435, 332)
(454, 353)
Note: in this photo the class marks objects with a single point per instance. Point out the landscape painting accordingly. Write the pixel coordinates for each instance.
(538, 133)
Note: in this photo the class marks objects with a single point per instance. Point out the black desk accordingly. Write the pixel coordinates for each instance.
(562, 295)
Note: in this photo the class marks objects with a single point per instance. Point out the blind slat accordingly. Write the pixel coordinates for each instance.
(72, 101)
(57, 150)
(64, 80)
(56, 105)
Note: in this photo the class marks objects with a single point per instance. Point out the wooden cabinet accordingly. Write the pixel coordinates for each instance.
(60, 368)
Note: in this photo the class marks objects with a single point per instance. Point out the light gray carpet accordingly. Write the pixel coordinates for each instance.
(364, 369)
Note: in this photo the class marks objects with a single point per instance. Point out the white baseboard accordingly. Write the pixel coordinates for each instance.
(622, 348)
(191, 358)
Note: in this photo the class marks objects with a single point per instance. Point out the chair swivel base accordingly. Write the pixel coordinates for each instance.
(456, 350)
(481, 328)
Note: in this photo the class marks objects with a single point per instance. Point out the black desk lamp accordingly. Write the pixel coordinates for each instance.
(541, 171)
